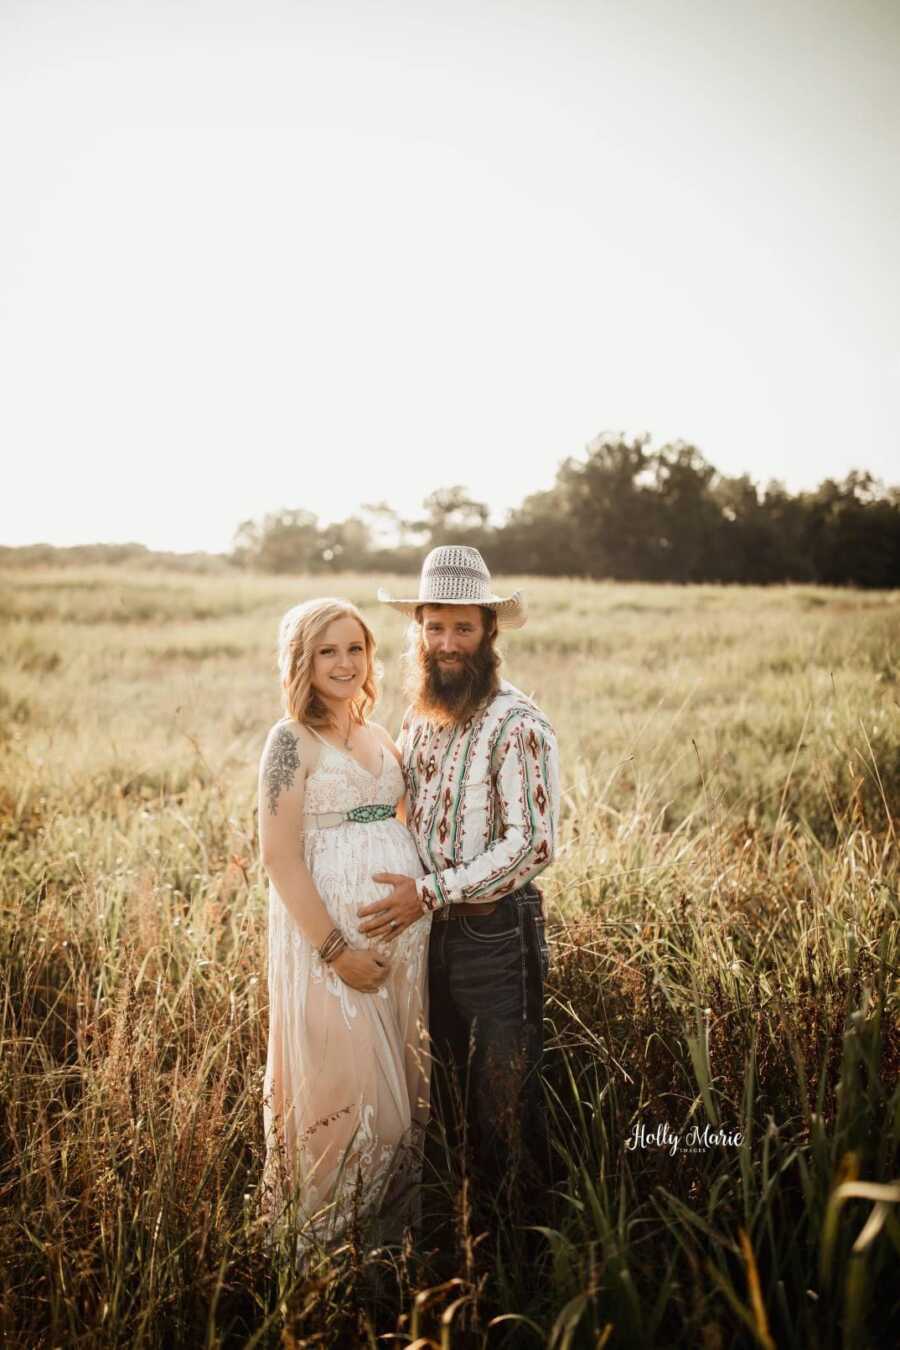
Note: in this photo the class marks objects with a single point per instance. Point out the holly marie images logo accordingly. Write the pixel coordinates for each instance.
(696, 1139)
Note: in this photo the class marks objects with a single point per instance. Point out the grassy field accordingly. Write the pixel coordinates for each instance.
(724, 951)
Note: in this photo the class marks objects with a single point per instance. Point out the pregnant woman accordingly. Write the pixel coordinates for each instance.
(345, 1096)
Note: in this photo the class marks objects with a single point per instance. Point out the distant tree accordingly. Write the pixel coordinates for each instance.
(854, 532)
(537, 538)
(345, 546)
(389, 530)
(382, 522)
(284, 541)
(786, 555)
(613, 510)
(452, 516)
(742, 529)
(690, 520)
(245, 543)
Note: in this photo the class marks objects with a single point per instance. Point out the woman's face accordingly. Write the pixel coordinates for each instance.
(339, 661)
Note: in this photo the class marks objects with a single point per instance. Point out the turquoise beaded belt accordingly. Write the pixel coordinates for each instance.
(361, 815)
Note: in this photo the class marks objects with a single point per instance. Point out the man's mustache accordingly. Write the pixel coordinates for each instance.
(460, 660)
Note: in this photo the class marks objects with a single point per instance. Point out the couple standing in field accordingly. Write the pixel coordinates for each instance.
(407, 952)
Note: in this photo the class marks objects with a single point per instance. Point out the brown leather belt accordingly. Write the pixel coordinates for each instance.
(452, 911)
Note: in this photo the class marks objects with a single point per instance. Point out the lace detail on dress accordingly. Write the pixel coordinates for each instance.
(339, 782)
(347, 1073)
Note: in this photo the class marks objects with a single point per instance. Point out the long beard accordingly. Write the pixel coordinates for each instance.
(452, 695)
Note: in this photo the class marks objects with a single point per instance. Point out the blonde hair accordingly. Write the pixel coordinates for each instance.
(298, 633)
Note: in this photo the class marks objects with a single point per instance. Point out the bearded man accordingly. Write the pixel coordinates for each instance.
(481, 767)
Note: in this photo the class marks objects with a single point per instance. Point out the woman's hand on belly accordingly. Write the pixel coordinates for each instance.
(363, 970)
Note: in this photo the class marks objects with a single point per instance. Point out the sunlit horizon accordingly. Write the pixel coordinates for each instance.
(323, 256)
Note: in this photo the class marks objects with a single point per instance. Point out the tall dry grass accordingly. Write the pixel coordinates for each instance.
(724, 914)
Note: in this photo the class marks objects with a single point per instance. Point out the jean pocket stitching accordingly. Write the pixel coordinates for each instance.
(486, 938)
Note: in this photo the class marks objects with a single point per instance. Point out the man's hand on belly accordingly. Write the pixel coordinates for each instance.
(389, 918)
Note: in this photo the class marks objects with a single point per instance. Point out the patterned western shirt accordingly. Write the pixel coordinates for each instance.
(483, 798)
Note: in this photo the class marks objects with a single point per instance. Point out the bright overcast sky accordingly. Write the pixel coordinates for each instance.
(270, 254)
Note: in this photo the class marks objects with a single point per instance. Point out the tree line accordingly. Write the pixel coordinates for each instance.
(626, 512)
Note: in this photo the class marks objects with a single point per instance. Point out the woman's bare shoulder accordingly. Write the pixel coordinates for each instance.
(289, 738)
(289, 756)
(385, 736)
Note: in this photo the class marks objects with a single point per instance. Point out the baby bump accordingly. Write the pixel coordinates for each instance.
(399, 842)
(343, 869)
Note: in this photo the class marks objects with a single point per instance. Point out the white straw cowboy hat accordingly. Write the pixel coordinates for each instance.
(455, 575)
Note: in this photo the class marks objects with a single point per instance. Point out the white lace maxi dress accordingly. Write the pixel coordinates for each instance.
(345, 1096)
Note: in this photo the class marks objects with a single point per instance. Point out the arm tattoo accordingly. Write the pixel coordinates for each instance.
(282, 763)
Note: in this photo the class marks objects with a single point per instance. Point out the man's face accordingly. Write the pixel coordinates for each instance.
(451, 633)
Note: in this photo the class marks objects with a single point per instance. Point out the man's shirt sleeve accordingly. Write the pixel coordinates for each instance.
(527, 788)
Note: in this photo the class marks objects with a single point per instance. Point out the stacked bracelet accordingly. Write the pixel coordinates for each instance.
(334, 944)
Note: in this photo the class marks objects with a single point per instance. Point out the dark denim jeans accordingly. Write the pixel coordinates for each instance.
(486, 1006)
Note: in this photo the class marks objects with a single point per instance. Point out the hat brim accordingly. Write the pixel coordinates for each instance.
(511, 611)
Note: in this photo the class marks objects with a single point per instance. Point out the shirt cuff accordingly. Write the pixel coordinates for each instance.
(430, 892)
